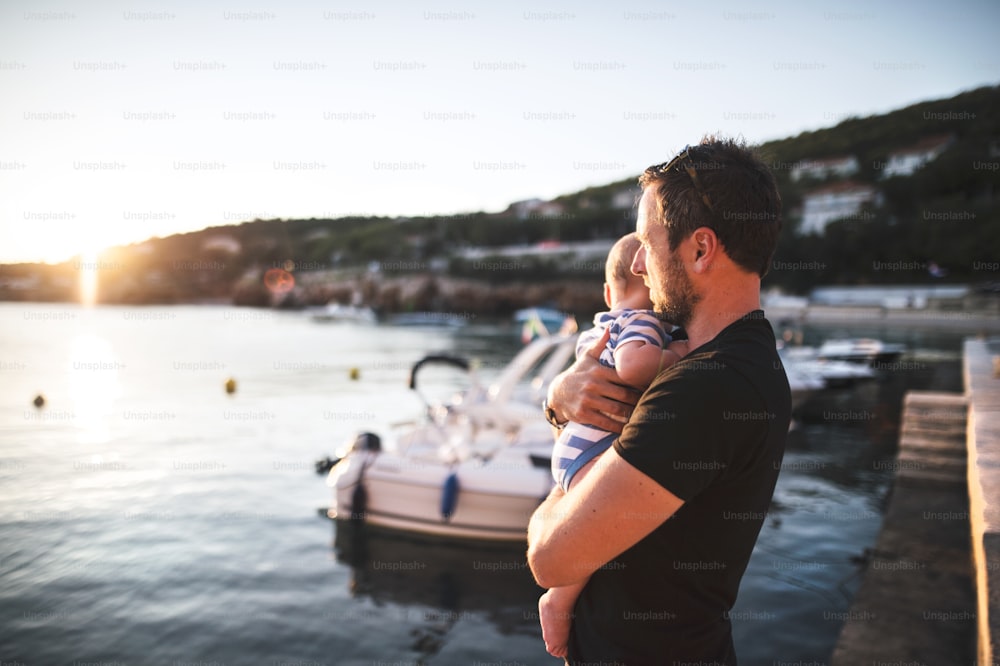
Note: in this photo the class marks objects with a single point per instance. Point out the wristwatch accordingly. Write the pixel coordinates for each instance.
(550, 416)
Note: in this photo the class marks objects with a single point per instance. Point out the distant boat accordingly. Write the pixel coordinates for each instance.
(803, 381)
(833, 373)
(335, 312)
(441, 319)
(539, 321)
(860, 350)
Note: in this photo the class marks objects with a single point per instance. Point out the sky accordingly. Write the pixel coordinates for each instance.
(121, 121)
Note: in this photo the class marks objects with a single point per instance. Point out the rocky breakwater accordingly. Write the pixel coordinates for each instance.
(389, 294)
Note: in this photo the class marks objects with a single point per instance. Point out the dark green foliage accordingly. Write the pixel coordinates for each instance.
(945, 214)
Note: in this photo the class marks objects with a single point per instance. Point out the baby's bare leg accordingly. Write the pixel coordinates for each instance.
(555, 607)
(555, 612)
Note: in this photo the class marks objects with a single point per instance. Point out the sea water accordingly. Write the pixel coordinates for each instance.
(148, 516)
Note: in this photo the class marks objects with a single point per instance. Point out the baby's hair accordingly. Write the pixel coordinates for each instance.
(619, 264)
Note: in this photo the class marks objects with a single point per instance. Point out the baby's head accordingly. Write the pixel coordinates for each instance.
(622, 287)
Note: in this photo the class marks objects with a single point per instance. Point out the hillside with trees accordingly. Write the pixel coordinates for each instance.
(944, 215)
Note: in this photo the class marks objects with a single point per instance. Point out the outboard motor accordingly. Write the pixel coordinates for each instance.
(370, 442)
(324, 465)
(367, 441)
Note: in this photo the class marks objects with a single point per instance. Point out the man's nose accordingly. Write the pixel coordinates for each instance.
(639, 262)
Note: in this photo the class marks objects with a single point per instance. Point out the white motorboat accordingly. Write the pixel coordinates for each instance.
(860, 350)
(336, 312)
(806, 361)
(475, 468)
(436, 319)
(803, 381)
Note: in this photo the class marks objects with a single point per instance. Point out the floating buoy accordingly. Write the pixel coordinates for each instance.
(230, 386)
(354, 373)
(39, 401)
(449, 496)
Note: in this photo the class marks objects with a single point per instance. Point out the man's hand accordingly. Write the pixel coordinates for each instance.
(588, 392)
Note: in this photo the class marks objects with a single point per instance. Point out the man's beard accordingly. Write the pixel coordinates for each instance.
(680, 297)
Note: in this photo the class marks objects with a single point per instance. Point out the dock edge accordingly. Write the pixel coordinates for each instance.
(981, 373)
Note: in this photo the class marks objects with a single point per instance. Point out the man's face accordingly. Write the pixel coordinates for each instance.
(662, 270)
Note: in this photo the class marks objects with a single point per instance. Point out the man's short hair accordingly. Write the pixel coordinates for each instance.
(721, 184)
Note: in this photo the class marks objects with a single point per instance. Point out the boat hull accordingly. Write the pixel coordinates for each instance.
(493, 501)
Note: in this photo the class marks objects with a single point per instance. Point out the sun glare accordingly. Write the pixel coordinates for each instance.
(87, 269)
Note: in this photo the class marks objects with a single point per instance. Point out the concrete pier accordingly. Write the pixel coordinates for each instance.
(971, 320)
(931, 590)
(916, 601)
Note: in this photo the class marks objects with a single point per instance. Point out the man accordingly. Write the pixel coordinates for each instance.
(666, 521)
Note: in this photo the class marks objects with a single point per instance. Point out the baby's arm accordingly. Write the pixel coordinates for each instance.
(637, 362)
(674, 352)
(640, 353)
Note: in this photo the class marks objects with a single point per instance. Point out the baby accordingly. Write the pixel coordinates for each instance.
(638, 348)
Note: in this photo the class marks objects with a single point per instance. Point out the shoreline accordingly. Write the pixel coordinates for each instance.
(974, 322)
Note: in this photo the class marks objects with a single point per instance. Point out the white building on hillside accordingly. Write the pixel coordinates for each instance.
(841, 167)
(578, 250)
(222, 243)
(834, 202)
(625, 199)
(906, 161)
(531, 209)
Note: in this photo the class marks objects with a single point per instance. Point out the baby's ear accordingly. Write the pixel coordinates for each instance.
(607, 294)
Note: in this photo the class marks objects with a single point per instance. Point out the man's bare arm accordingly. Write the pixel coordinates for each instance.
(572, 535)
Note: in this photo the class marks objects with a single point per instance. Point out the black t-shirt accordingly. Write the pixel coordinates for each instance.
(711, 429)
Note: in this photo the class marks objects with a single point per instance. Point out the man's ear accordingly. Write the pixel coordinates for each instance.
(706, 248)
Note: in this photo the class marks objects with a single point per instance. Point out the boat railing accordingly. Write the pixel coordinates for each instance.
(541, 360)
(480, 421)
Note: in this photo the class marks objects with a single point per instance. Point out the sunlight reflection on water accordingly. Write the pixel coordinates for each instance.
(93, 386)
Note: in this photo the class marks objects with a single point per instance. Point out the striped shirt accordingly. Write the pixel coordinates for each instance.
(578, 443)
